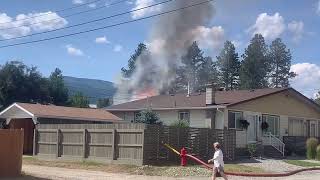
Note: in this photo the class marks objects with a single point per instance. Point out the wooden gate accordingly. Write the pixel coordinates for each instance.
(28, 127)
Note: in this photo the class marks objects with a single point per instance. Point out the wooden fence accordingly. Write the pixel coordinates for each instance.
(296, 144)
(11, 148)
(127, 143)
(198, 142)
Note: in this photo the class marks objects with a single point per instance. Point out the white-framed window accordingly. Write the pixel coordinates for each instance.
(273, 122)
(234, 118)
(296, 127)
(184, 116)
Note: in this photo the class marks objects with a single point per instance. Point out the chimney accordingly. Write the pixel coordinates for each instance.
(210, 94)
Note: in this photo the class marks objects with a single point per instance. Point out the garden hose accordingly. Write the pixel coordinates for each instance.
(244, 174)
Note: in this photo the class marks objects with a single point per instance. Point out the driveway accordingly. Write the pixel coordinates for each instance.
(75, 174)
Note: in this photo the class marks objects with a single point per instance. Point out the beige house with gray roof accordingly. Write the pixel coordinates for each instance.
(286, 111)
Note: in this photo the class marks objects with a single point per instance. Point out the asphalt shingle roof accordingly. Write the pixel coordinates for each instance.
(195, 100)
(53, 111)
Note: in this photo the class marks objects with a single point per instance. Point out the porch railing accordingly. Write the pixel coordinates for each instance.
(275, 142)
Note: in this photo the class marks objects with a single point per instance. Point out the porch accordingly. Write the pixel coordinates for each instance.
(269, 130)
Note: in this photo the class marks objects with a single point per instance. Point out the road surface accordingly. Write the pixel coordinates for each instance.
(77, 174)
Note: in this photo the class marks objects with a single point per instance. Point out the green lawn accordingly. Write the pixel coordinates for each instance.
(302, 163)
(171, 170)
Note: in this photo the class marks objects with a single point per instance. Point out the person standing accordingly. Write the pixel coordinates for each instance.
(218, 164)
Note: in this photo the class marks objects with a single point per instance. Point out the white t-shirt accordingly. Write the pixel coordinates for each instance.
(218, 158)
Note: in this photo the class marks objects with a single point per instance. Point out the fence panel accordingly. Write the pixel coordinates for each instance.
(11, 144)
(103, 143)
(130, 144)
(198, 142)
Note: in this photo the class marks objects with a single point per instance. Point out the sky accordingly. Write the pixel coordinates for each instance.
(101, 54)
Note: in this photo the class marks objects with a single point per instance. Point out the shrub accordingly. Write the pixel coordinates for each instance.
(318, 153)
(181, 124)
(148, 117)
(252, 148)
(312, 148)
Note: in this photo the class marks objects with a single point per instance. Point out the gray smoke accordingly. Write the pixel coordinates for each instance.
(168, 40)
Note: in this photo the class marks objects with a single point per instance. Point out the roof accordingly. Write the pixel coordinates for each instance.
(197, 100)
(62, 112)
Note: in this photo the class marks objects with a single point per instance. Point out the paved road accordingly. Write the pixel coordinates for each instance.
(75, 174)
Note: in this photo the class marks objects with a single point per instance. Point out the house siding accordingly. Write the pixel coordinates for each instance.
(168, 117)
(197, 117)
(283, 103)
(219, 120)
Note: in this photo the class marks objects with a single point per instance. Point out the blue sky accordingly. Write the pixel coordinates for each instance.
(101, 54)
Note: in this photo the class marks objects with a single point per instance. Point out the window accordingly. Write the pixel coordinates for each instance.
(234, 118)
(296, 127)
(273, 122)
(184, 116)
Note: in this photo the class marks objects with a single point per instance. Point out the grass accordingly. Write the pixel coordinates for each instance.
(302, 163)
(172, 171)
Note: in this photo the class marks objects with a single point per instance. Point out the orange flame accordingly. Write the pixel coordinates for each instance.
(144, 93)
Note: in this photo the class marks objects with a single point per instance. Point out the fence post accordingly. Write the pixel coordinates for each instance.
(84, 142)
(113, 148)
(35, 142)
(58, 143)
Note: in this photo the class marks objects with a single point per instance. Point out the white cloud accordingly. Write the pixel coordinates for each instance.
(146, 11)
(318, 7)
(73, 51)
(270, 26)
(209, 38)
(92, 5)
(117, 48)
(102, 40)
(297, 30)
(25, 24)
(308, 78)
(78, 1)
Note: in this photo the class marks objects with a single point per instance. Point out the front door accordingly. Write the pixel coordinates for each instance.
(252, 132)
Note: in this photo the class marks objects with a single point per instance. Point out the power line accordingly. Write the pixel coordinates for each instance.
(61, 10)
(70, 15)
(88, 22)
(105, 27)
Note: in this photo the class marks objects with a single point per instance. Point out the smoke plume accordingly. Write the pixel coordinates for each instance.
(168, 40)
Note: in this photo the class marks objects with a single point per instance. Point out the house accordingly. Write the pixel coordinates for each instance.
(27, 116)
(285, 111)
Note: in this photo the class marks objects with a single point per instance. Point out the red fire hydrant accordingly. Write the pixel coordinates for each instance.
(183, 153)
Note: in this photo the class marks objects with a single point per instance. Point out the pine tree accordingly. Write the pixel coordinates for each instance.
(228, 66)
(57, 89)
(280, 63)
(79, 100)
(254, 67)
(132, 61)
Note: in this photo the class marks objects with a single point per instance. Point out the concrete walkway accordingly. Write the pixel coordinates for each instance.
(76, 174)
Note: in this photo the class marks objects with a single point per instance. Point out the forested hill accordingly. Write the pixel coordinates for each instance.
(92, 88)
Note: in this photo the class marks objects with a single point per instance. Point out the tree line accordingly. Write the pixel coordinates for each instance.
(20, 83)
(260, 66)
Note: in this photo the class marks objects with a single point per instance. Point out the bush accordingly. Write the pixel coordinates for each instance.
(181, 124)
(312, 148)
(318, 153)
(148, 117)
(252, 148)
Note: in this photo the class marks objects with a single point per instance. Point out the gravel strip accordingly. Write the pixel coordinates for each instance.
(270, 165)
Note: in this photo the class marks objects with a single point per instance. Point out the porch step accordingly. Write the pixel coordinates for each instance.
(271, 152)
